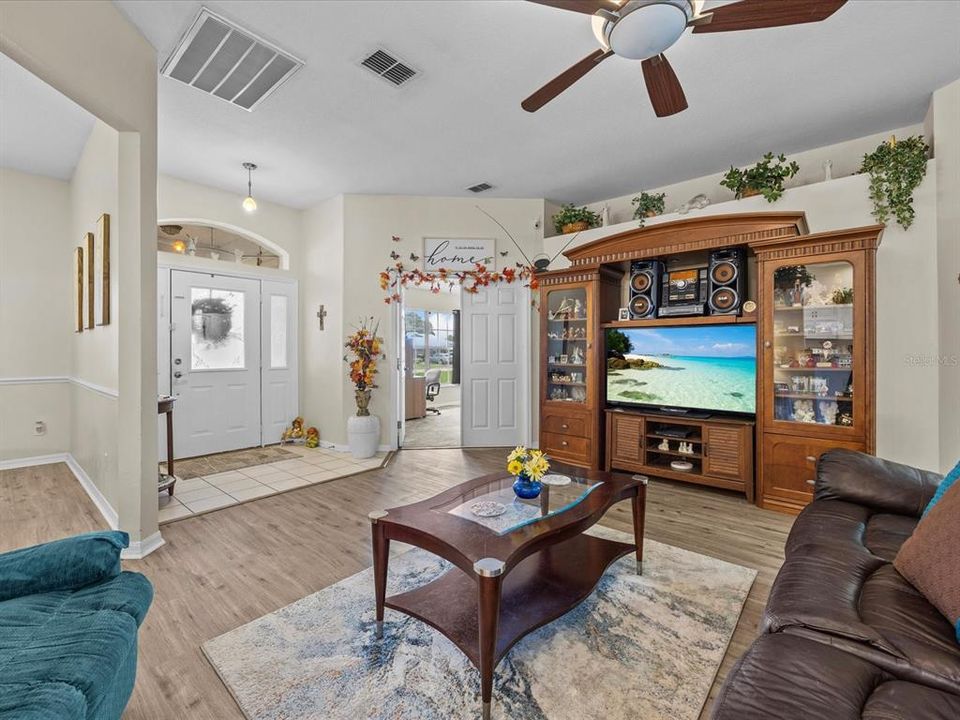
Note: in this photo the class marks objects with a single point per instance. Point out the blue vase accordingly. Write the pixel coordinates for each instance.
(526, 488)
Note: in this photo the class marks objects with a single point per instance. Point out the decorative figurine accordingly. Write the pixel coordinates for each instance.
(313, 437)
(829, 410)
(664, 445)
(294, 432)
(803, 411)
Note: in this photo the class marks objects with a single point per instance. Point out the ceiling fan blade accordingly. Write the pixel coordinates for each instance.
(588, 7)
(752, 14)
(564, 80)
(664, 89)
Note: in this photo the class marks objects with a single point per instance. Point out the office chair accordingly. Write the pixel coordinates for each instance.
(432, 380)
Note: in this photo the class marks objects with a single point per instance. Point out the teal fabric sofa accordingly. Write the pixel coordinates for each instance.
(68, 629)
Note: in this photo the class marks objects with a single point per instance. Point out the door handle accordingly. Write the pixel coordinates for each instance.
(178, 374)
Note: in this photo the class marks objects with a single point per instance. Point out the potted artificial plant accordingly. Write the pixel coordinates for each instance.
(765, 178)
(896, 168)
(648, 205)
(573, 219)
(364, 347)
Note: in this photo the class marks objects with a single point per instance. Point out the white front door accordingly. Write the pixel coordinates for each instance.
(215, 351)
(494, 366)
(279, 381)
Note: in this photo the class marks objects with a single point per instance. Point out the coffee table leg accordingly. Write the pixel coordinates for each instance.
(490, 583)
(639, 512)
(381, 556)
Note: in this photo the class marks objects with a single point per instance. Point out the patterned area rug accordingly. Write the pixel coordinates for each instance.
(640, 647)
(224, 462)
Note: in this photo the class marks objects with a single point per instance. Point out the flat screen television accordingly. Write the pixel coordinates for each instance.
(710, 368)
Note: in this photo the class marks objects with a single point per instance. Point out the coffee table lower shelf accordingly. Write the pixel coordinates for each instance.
(540, 588)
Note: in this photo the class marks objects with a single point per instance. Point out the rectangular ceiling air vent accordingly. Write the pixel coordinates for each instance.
(231, 63)
(480, 187)
(385, 65)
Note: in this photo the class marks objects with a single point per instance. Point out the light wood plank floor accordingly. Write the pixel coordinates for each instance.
(223, 569)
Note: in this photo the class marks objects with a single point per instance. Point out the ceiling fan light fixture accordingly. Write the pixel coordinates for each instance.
(647, 28)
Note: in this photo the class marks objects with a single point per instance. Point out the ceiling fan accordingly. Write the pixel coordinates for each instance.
(644, 29)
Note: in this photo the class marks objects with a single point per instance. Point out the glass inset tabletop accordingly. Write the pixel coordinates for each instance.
(517, 512)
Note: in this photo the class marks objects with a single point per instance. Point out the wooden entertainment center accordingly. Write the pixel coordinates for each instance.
(811, 299)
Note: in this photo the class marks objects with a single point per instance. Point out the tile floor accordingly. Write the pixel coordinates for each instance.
(212, 492)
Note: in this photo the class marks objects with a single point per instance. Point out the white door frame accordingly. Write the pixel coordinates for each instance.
(525, 409)
(164, 357)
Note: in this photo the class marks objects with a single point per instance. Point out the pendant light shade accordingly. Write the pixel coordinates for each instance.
(249, 204)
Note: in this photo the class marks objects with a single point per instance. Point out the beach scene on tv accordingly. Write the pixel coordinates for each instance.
(704, 368)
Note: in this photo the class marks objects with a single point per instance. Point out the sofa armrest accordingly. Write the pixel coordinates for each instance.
(875, 483)
(67, 564)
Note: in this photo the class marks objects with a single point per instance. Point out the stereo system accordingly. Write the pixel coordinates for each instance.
(644, 288)
(727, 281)
(717, 289)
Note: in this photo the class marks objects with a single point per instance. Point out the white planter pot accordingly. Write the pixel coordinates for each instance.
(363, 433)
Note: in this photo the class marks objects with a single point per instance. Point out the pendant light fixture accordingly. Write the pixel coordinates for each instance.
(249, 204)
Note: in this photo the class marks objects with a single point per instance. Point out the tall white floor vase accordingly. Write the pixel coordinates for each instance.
(363, 429)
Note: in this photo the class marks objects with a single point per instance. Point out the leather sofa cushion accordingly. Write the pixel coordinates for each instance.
(785, 677)
(837, 586)
(875, 483)
(846, 526)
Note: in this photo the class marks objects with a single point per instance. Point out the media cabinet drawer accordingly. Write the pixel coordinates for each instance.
(563, 424)
(566, 447)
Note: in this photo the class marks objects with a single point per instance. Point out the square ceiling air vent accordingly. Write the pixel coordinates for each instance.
(387, 66)
(480, 187)
(231, 63)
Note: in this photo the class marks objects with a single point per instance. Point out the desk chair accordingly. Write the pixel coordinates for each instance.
(432, 381)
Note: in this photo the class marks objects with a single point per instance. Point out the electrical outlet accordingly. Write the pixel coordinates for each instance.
(39, 427)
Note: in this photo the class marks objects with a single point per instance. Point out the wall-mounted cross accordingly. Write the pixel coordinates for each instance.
(321, 314)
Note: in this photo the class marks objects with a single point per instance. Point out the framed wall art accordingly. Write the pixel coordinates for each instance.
(88, 279)
(78, 289)
(101, 279)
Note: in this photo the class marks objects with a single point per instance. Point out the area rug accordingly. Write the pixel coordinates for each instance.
(639, 647)
(226, 461)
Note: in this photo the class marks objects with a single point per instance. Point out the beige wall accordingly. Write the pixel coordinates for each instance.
(115, 79)
(946, 142)
(444, 301)
(181, 200)
(845, 157)
(321, 351)
(906, 306)
(95, 441)
(364, 235)
(35, 314)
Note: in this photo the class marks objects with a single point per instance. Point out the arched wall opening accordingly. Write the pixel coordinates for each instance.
(231, 240)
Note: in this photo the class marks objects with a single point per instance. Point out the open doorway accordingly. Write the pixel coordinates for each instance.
(431, 341)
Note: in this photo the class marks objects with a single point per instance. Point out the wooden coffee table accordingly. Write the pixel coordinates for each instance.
(513, 573)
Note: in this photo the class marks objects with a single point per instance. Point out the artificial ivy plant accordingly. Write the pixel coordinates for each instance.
(572, 215)
(896, 168)
(765, 178)
(648, 205)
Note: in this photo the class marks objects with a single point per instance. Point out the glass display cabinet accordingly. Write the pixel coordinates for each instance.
(568, 340)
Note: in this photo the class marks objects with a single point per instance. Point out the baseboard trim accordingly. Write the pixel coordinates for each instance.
(139, 550)
(35, 460)
(99, 499)
(344, 448)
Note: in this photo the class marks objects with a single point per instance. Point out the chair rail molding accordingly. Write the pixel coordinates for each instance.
(54, 379)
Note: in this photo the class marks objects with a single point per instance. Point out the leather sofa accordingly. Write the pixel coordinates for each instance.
(68, 629)
(844, 636)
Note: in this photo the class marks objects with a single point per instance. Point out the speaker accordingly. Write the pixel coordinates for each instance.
(727, 278)
(644, 288)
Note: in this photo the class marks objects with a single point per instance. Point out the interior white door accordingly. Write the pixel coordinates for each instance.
(216, 362)
(494, 367)
(280, 396)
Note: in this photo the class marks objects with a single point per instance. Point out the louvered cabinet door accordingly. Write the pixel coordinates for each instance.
(627, 445)
(727, 452)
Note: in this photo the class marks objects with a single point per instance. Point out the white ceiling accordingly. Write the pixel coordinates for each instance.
(41, 131)
(336, 128)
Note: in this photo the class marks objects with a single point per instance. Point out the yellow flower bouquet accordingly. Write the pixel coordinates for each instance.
(529, 467)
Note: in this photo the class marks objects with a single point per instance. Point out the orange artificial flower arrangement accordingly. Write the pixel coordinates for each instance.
(366, 347)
